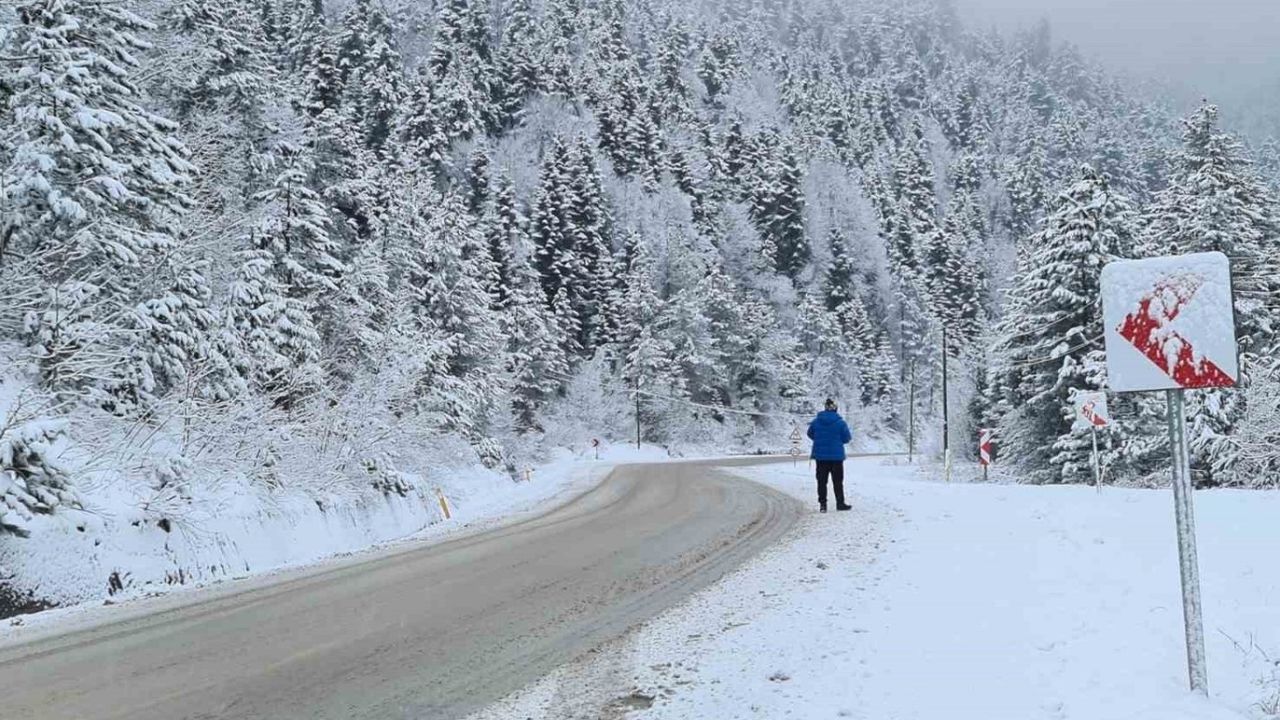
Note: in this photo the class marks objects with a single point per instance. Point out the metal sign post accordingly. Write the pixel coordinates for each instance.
(1188, 563)
(1169, 325)
(1097, 465)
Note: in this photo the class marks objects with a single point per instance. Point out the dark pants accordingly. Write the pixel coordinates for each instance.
(833, 469)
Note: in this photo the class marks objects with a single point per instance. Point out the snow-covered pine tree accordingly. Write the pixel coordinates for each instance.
(534, 342)
(557, 57)
(1215, 203)
(954, 275)
(1052, 333)
(378, 81)
(278, 339)
(93, 182)
(516, 65)
(477, 180)
(718, 66)
(453, 314)
(776, 195)
(913, 184)
(422, 131)
(296, 228)
(832, 363)
(641, 343)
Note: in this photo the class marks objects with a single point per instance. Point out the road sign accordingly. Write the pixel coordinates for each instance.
(1169, 323)
(986, 436)
(795, 434)
(1091, 409)
(1091, 414)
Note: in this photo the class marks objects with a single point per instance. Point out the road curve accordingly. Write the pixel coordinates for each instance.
(431, 633)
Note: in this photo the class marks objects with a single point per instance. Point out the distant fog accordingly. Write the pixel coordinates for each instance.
(1226, 50)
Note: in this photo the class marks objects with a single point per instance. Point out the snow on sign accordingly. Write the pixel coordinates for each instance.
(1169, 323)
(1091, 409)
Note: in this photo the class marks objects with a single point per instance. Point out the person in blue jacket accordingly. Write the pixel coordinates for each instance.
(830, 433)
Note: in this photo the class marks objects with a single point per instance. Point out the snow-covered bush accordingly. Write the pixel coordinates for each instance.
(32, 481)
(1256, 440)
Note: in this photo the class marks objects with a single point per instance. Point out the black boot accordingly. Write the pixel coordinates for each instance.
(822, 507)
(842, 507)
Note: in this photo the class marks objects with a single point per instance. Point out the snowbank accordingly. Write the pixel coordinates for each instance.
(967, 602)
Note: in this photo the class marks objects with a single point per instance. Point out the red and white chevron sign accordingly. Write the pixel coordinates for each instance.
(1170, 323)
(1091, 409)
(985, 437)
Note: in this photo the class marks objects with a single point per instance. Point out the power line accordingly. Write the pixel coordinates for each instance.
(691, 403)
(1053, 358)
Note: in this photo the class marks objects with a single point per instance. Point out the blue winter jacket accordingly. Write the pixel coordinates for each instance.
(829, 433)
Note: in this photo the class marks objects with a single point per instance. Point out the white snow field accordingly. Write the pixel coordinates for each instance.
(963, 602)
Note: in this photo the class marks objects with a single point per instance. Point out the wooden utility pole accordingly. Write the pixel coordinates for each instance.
(637, 414)
(946, 424)
(911, 414)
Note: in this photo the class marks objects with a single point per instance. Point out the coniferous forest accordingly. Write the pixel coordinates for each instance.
(301, 245)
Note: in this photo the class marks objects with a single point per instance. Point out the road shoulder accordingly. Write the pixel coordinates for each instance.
(749, 633)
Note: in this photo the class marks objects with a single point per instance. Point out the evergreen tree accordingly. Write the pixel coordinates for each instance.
(1053, 331)
(1214, 203)
(718, 66)
(954, 274)
(280, 341)
(777, 208)
(93, 182)
(517, 70)
(646, 351)
(913, 184)
(453, 314)
(296, 229)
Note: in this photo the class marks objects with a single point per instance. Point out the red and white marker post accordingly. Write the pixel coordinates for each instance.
(986, 437)
(1170, 325)
(1091, 412)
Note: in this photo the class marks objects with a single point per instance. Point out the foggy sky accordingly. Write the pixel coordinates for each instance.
(1225, 50)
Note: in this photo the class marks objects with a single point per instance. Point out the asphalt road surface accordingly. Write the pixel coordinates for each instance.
(430, 632)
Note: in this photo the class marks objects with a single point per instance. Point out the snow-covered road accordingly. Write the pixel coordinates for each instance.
(421, 632)
(956, 602)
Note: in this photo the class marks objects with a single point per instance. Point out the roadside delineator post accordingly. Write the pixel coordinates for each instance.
(985, 441)
(1169, 324)
(444, 504)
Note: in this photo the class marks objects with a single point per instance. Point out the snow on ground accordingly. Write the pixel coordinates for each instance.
(964, 602)
(256, 543)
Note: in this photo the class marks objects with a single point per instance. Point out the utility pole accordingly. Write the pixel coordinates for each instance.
(911, 414)
(946, 425)
(637, 413)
